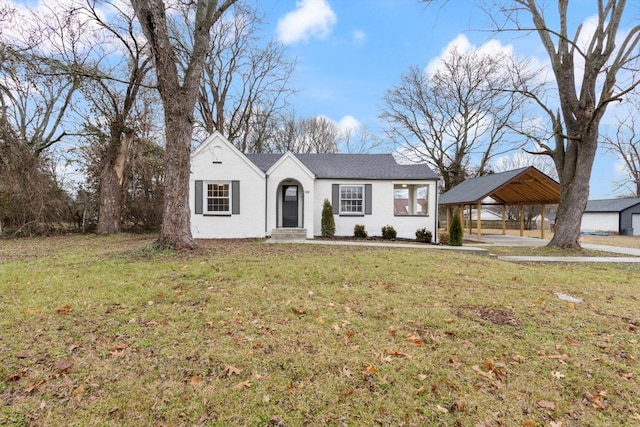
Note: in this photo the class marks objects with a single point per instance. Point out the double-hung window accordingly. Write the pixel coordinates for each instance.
(218, 198)
(352, 199)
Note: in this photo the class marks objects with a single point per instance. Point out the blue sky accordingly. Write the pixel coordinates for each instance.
(350, 52)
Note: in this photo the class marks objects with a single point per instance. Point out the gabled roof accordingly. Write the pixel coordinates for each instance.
(611, 205)
(350, 166)
(520, 186)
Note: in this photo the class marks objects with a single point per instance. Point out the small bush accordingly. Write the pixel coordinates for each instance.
(328, 225)
(424, 235)
(388, 232)
(444, 238)
(455, 230)
(359, 231)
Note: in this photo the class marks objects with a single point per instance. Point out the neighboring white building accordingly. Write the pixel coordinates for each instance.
(621, 216)
(233, 195)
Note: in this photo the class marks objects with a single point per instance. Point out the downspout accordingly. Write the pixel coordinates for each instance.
(437, 210)
(266, 203)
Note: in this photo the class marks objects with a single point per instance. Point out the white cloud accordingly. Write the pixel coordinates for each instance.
(312, 18)
(462, 45)
(348, 122)
(359, 37)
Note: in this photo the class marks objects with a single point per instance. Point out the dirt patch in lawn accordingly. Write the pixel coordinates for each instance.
(497, 316)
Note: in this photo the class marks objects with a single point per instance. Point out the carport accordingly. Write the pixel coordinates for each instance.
(519, 187)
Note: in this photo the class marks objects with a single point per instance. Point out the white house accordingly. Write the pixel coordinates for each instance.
(236, 195)
(621, 216)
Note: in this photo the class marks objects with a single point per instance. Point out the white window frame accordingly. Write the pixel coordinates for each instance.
(362, 200)
(412, 198)
(206, 197)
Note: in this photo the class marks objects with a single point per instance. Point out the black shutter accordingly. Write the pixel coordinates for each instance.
(367, 199)
(199, 197)
(335, 198)
(235, 197)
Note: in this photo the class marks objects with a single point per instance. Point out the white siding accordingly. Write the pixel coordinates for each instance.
(233, 166)
(600, 221)
(382, 210)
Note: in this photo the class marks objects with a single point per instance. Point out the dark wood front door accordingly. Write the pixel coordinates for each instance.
(289, 205)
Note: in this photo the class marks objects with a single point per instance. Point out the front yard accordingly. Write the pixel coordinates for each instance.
(108, 331)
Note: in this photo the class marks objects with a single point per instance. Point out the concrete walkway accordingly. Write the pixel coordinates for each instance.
(484, 248)
(490, 240)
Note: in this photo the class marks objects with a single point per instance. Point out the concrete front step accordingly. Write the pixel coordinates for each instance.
(287, 234)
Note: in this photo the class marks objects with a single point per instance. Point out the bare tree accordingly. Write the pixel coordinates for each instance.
(37, 87)
(179, 93)
(306, 135)
(359, 140)
(113, 93)
(457, 120)
(592, 68)
(245, 83)
(43, 56)
(624, 141)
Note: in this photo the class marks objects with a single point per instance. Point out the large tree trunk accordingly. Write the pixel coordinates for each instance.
(574, 167)
(179, 102)
(112, 183)
(175, 230)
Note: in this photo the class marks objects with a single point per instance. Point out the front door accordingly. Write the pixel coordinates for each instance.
(289, 205)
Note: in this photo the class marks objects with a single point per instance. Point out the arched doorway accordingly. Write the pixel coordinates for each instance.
(290, 204)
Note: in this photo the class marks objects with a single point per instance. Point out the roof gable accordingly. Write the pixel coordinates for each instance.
(290, 156)
(217, 138)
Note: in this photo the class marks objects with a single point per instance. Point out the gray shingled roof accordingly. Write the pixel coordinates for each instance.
(351, 166)
(519, 186)
(476, 189)
(611, 205)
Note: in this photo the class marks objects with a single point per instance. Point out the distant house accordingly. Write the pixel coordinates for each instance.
(620, 216)
(236, 195)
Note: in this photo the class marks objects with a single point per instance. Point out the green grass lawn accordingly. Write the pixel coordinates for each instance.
(105, 331)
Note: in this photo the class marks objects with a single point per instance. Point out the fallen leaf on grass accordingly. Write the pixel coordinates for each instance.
(348, 392)
(346, 372)
(547, 405)
(572, 341)
(195, 380)
(415, 339)
(518, 358)
(597, 400)
(454, 361)
(63, 365)
(481, 372)
(243, 384)
(558, 375)
(65, 309)
(369, 370)
(528, 423)
(231, 370)
(442, 409)
(555, 424)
